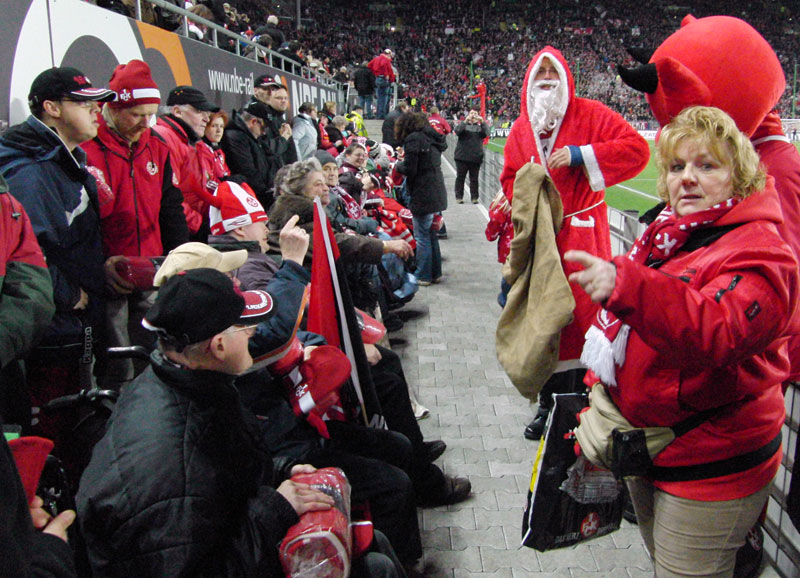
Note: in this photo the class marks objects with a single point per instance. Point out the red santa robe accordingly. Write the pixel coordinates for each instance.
(612, 152)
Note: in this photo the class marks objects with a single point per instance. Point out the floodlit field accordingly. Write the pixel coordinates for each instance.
(637, 194)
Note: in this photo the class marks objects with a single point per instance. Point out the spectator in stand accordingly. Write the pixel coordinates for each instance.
(272, 28)
(245, 153)
(387, 128)
(305, 181)
(381, 67)
(33, 544)
(294, 57)
(438, 122)
(26, 305)
(328, 109)
(336, 130)
(584, 147)
(221, 498)
(182, 127)
(43, 163)
(422, 166)
(305, 133)
(197, 30)
(277, 137)
(211, 154)
(469, 154)
(342, 75)
(364, 83)
(356, 118)
(140, 207)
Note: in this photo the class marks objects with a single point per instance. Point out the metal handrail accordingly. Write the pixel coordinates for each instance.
(276, 59)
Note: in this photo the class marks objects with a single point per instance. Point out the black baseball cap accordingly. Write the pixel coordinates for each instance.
(257, 108)
(265, 81)
(196, 305)
(190, 95)
(60, 82)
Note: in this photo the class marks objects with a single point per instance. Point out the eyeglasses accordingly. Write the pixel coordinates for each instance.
(82, 103)
(251, 329)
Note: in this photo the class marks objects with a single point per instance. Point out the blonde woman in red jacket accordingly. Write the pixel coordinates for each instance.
(696, 318)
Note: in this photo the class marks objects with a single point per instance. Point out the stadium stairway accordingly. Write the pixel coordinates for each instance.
(449, 358)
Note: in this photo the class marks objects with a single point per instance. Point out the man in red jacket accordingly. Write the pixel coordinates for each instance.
(585, 147)
(381, 67)
(182, 128)
(140, 206)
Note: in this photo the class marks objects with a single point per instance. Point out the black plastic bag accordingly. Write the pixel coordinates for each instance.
(569, 500)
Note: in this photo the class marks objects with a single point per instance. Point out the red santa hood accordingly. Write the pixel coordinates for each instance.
(558, 60)
(717, 61)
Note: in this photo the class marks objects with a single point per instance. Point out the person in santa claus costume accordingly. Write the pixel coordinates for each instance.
(584, 147)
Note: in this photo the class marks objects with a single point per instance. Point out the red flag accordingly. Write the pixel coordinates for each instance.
(322, 307)
(332, 315)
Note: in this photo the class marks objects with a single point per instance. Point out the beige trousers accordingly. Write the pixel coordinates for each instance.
(689, 537)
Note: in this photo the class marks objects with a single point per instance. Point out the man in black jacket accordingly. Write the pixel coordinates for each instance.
(387, 128)
(364, 83)
(180, 484)
(277, 137)
(469, 154)
(246, 156)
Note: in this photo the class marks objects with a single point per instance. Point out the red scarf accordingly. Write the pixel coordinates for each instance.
(607, 338)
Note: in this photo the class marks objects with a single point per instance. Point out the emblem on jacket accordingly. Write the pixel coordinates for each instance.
(152, 168)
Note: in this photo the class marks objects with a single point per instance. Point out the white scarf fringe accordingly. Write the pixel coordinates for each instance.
(601, 355)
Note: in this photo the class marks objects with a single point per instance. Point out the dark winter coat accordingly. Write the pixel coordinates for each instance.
(469, 148)
(422, 164)
(387, 128)
(60, 197)
(364, 81)
(180, 484)
(248, 159)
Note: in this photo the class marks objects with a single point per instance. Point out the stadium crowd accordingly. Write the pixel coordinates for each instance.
(441, 51)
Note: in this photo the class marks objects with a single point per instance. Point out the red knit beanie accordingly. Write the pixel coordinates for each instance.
(134, 85)
(234, 206)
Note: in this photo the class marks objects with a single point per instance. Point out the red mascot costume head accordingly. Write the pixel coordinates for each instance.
(717, 61)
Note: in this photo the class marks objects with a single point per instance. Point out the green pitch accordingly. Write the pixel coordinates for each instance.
(637, 194)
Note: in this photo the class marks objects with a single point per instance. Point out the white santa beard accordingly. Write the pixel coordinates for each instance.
(547, 107)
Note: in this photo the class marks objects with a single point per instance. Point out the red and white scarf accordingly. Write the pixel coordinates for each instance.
(607, 338)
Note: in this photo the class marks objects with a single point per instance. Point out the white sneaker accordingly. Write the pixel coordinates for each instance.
(420, 411)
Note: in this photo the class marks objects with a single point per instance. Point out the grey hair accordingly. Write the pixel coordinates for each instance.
(296, 179)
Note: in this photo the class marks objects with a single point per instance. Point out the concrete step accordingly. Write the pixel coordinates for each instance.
(374, 129)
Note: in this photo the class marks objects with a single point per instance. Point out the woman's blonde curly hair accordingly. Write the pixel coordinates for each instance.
(727, 144)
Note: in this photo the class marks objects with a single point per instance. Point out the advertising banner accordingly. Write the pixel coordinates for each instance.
(40, 34)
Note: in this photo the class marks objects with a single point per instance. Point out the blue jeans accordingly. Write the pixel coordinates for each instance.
(429, 257)
(366, 102)
(382, 88)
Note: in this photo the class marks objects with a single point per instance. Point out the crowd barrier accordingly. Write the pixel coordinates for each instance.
(781, 538)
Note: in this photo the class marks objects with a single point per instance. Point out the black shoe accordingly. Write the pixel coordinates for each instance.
(460, 201)
(435, 449)
(392, 322)
(475, 201)
(535, 429)
(411, 314)
(455, 490)
(748, 557)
